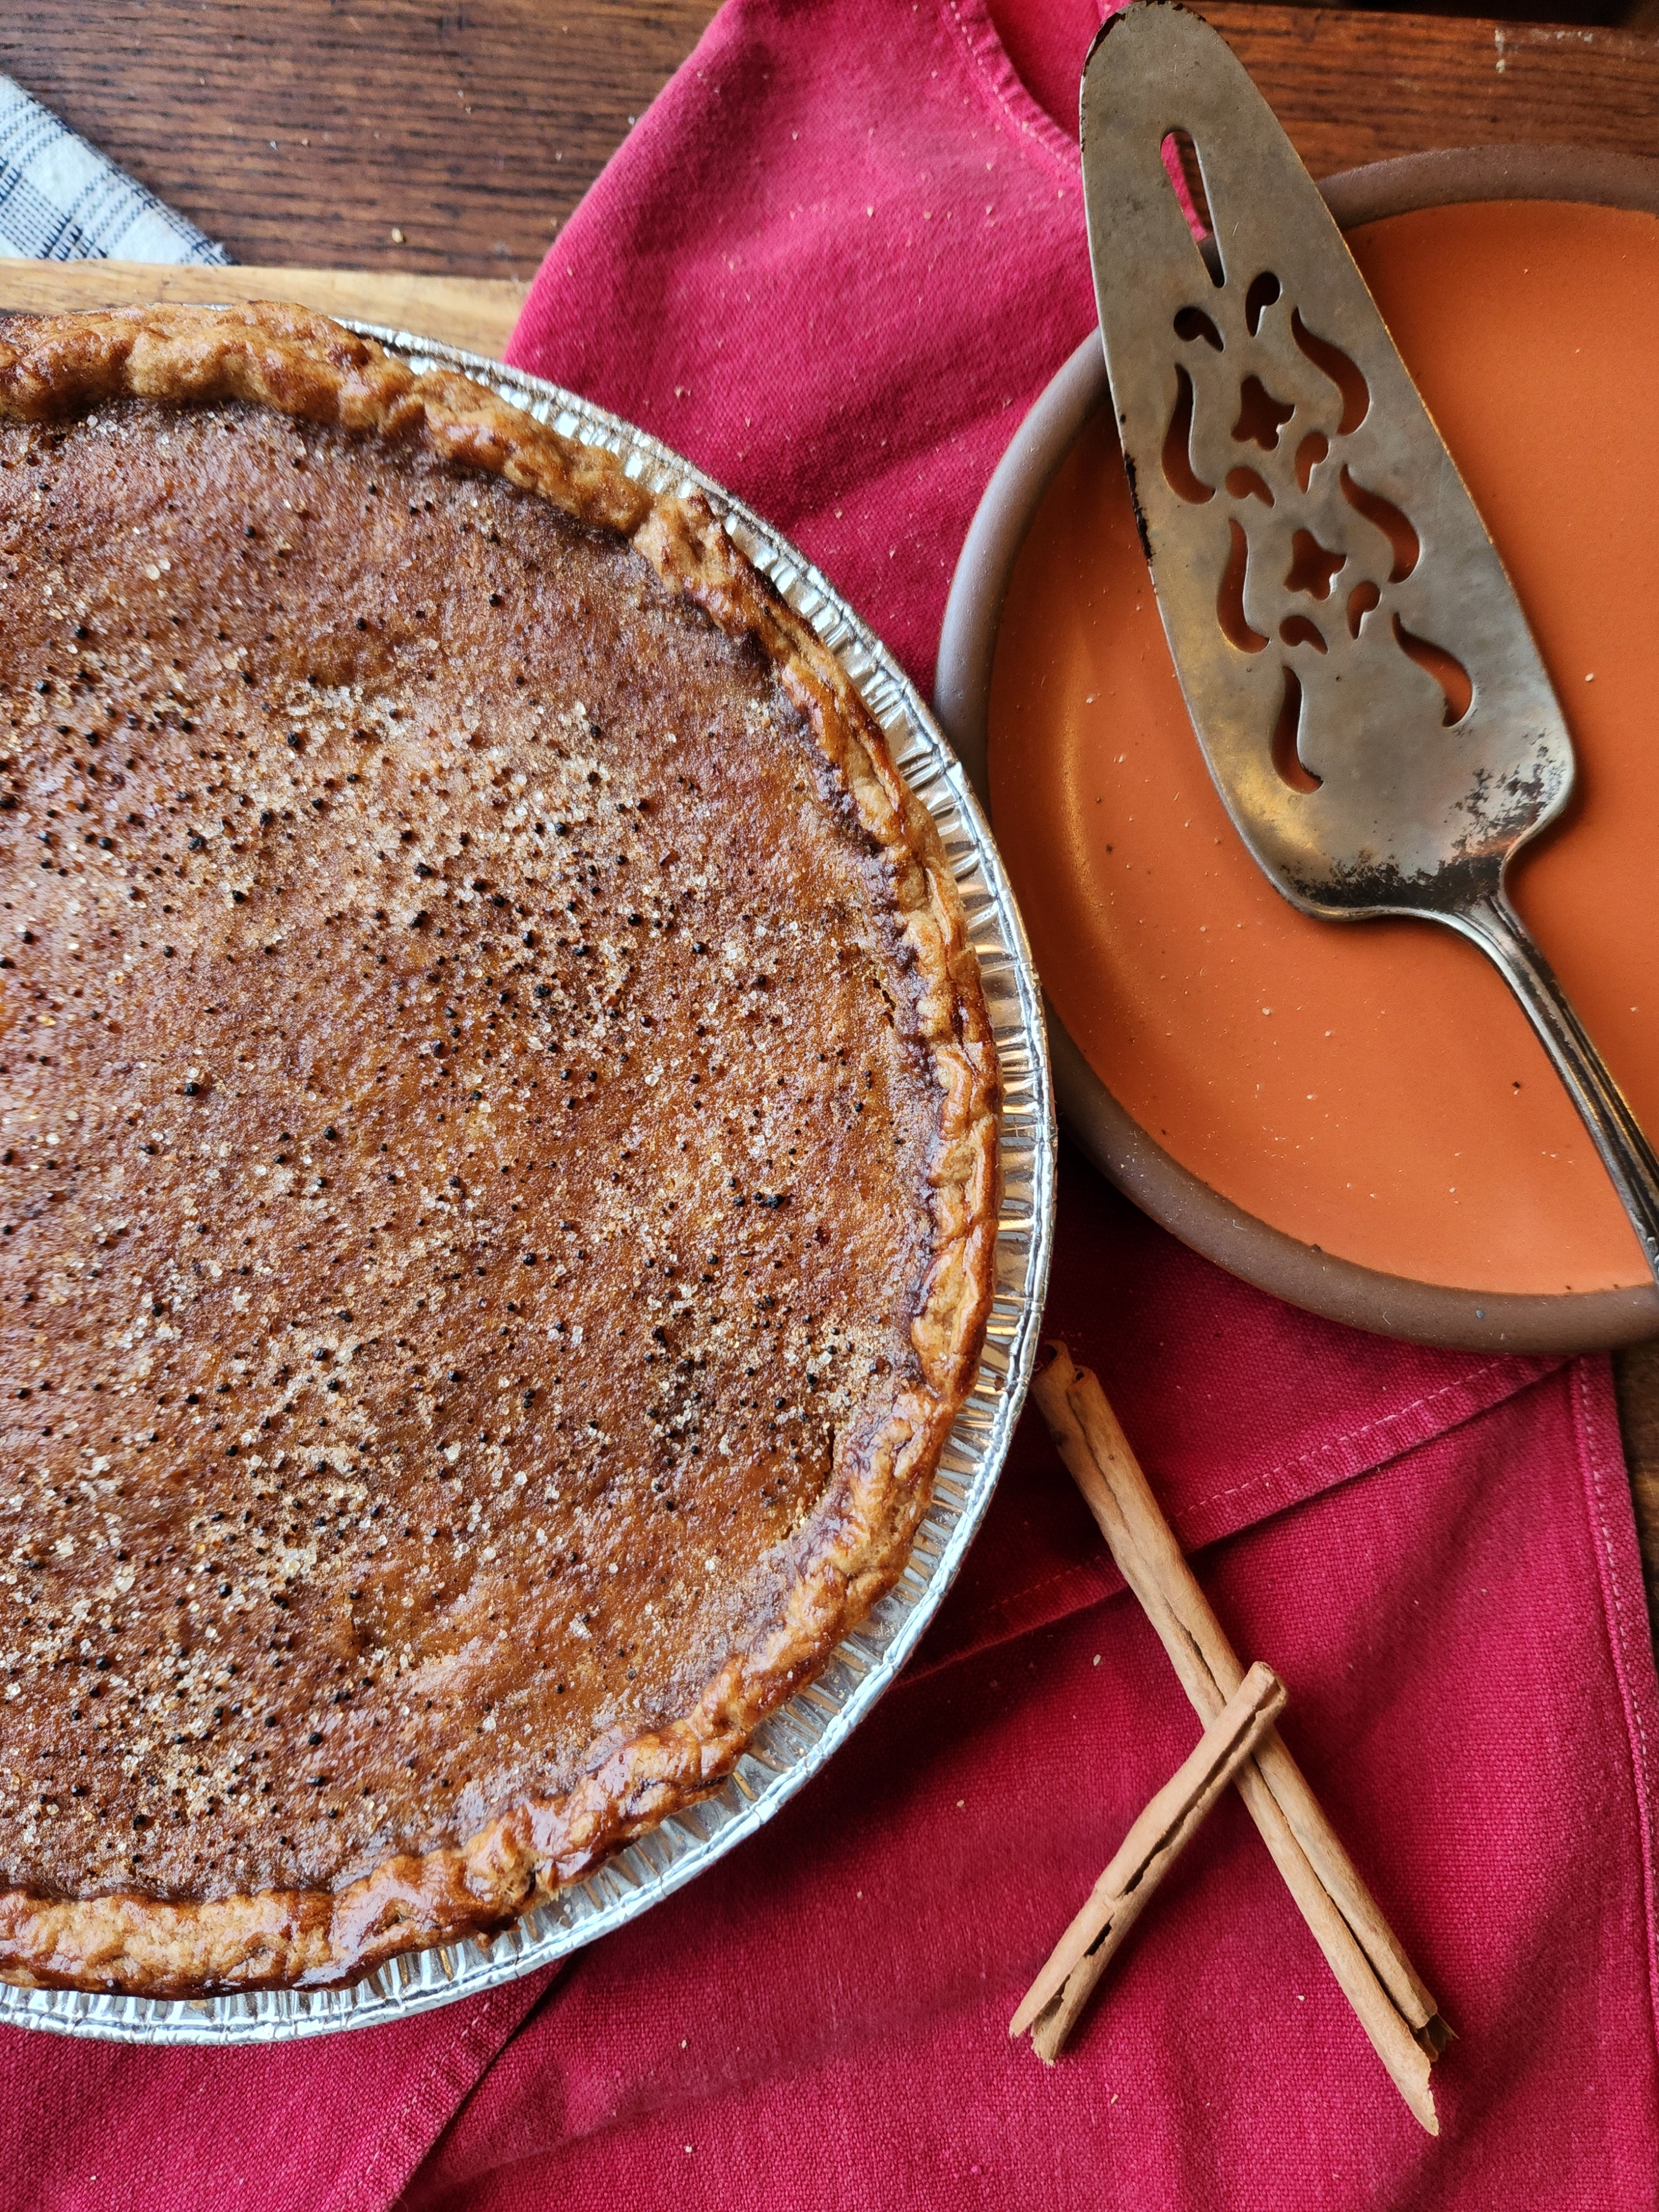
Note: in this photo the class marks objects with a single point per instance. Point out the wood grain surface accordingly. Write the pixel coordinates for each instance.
(1353, 85)
(378, 142)
(307, 132)
(303, 130)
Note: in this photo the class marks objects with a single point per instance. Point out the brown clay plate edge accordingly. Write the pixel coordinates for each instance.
(1364, 1298)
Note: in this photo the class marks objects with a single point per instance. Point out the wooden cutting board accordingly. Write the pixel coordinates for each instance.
(477, 312)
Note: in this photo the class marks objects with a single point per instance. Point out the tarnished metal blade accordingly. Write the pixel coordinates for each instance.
(1335, 606)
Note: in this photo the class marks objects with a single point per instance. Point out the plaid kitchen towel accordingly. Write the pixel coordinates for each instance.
(60, 200)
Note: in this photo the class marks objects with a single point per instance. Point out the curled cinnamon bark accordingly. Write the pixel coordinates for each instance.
(1379, 1981)
(1051, 2006)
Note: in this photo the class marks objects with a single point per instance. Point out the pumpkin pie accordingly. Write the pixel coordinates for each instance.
(497, 1154)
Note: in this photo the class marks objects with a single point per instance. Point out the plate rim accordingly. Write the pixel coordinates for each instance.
(795, 1741)
(1178, 1200)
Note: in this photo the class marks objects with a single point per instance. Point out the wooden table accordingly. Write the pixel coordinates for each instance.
(415, 163)
(312, 132)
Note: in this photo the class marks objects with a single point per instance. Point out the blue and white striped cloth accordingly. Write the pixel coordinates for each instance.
(60, 200)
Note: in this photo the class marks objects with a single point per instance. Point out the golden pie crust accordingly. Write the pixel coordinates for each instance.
(498, 1160)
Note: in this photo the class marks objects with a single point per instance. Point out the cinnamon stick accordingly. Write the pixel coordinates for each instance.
(1393, 2005)
(1051, 2006)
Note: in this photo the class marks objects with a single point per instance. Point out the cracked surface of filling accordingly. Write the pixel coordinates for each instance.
(465, 1170)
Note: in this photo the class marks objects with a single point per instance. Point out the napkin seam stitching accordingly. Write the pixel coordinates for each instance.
(420, 2093)
(1383, 1421)
(1035, 125)
(1036, 1589)
(1028, 1590)
(1617, 1615)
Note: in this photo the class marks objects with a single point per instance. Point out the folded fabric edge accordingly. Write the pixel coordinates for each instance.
(1368, 1444)
(1624, 1606)
(1013, 104)
(62, 200)
(436, 2093)
(1091, 1582)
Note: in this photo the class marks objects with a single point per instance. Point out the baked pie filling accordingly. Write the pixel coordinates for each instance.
(498, 1163)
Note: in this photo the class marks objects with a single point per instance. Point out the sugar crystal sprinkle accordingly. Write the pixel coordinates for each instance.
(429, 1304)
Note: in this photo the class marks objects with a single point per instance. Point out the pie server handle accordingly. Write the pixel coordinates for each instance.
(1493, 925)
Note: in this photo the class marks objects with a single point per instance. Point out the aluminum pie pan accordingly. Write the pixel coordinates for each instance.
(794, 1742)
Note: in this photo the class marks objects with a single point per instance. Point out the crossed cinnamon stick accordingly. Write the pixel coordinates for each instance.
(1241, 1744)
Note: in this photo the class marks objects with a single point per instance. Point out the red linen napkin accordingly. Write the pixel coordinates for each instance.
(835, 264)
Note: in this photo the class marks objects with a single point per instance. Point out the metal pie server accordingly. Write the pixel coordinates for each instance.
(1363, 682)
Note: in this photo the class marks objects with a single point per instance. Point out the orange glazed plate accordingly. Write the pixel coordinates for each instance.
(1358, 1119)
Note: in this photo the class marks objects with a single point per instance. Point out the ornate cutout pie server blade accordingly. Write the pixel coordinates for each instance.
(1368, 698)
